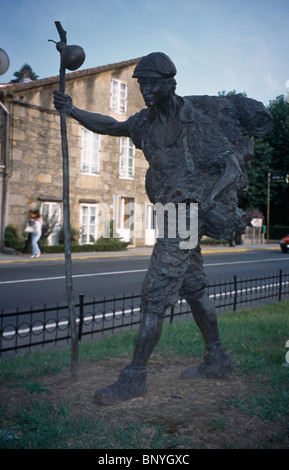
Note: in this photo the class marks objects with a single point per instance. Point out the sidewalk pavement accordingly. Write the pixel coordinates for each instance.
(10, 257)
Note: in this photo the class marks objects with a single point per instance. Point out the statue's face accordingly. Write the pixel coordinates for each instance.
(153, 90)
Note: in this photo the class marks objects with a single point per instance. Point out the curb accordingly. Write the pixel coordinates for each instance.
(146, 251)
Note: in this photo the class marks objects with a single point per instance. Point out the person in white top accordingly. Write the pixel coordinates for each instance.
(36, 235)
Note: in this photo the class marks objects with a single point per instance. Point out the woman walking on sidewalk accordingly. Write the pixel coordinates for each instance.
(36, 235)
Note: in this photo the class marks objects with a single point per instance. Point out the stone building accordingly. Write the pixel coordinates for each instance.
(107, 174)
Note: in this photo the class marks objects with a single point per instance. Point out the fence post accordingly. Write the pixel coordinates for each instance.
(81, 298)
(235, 296)
(280, 284)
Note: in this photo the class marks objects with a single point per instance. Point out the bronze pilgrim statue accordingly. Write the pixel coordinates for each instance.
(197, 154)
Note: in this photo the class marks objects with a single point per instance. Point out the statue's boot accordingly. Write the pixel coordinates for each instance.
(217, 365)
(217, 362)
(132, 380)
(130, 384)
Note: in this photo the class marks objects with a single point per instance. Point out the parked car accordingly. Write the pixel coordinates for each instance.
(284, 244)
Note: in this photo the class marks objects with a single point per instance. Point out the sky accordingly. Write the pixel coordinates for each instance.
(216, 45)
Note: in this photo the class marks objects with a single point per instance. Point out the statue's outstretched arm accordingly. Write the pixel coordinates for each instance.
(98, 123)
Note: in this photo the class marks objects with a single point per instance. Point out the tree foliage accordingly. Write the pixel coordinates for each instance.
(279, 137)
(255, 197)
(278, 140)
(229, 93)
(20, 73)
(271, 155)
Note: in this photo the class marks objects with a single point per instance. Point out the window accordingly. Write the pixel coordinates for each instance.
(124, 217)
(51, 213)
(88, 223)
(90, 152)
(126, 158)
(118, 97)
(150, 217)
(150, 233)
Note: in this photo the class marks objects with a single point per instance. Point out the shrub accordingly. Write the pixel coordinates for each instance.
(100, 245)
(278, 231)
(73, 233)
(12, 239)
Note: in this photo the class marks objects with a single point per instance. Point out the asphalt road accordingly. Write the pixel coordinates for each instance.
(42, 281)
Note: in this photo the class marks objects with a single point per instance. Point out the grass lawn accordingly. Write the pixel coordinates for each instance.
(42, 406)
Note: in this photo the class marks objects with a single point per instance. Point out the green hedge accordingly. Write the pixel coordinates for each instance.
(100, 245)
(12, 239)
(276, 232)
(213, 241)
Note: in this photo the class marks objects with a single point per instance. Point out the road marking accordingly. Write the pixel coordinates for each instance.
(103, 255)
(247, 262)
(41, 279)
(132, 271)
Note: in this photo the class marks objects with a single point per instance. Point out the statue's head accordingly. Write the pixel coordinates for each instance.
(155, 74)
(155, 65)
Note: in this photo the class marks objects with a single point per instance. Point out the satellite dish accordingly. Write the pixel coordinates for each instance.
(4, 62)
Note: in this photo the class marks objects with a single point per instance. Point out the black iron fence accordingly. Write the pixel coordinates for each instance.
(49, 327)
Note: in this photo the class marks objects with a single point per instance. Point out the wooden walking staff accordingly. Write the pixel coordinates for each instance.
(71, 57)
